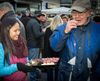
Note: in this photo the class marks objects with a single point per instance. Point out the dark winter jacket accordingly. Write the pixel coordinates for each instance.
(34, 34)
(48, 51)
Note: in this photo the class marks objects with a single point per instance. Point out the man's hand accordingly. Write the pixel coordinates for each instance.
(70, 25)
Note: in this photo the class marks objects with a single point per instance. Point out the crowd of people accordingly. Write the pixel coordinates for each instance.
(74, 40)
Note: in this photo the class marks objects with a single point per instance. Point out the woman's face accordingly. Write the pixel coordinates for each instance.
(14, 32)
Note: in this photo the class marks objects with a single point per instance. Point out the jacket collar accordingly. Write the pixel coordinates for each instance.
(84, 27)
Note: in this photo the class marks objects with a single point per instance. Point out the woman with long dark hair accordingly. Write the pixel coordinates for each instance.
(13, 51)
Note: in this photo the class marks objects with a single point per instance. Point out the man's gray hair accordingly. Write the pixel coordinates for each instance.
(7, 6)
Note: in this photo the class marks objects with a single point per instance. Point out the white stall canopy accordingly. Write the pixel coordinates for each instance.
(60, 10)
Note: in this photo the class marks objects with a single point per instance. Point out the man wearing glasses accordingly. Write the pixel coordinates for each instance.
(78, 43)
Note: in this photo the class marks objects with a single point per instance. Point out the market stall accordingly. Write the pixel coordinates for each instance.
(60, 10)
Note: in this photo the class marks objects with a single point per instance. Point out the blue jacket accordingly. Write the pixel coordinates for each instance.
(5, 68)
(83, 43)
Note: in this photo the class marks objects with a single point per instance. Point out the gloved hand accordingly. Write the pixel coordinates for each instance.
(24, 68)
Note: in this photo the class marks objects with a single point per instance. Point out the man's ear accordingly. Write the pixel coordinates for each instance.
(90, 12)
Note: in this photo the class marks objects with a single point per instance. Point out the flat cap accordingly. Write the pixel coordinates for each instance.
(81, 5)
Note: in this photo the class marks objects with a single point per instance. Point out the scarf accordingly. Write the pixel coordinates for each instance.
(20, 49)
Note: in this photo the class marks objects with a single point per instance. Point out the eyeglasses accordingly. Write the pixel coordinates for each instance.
(75, 13)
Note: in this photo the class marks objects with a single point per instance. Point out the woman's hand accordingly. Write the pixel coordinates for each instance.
(24, 68)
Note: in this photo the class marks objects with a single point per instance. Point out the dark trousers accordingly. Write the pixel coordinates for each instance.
(52, 74)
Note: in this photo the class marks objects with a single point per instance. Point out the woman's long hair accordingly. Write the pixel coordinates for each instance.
(5, 39)
(56, 21)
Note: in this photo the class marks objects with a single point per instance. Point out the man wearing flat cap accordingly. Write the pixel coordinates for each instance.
(78, 42)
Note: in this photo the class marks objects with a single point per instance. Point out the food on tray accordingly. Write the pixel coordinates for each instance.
(48, 64)
(43, 61)
(35, 62)
(50, 61)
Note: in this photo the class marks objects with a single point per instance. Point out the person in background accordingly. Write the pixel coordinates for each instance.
(56, 21)
(34, 40)
(18, 14)
(25, 19)
(48, 52)
(7, 10)
(79, 43)
(13, 51)
(64, 18)
(34, 35)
